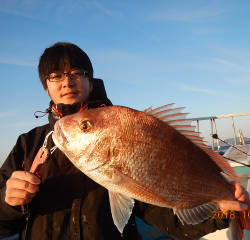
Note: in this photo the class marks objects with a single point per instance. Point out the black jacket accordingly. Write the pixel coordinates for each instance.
(69, 205)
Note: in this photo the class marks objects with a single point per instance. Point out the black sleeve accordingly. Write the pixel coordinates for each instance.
(11, 218)
(165, 220)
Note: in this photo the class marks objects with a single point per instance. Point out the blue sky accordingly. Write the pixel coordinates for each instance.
(149, 53)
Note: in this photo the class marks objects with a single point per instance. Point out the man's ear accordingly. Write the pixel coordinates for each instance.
(91, 86)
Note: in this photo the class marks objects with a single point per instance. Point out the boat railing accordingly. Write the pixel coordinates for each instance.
(214, 129)
(241, 138)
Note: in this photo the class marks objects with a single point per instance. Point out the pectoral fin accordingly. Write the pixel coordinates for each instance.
(122, 202)
(121, 209)
(130, 187)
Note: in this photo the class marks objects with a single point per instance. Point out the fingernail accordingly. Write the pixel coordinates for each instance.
(37, 180)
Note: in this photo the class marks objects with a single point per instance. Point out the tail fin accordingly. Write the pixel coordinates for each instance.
(236, 229)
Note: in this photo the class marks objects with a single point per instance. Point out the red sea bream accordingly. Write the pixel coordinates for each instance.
(154, 156)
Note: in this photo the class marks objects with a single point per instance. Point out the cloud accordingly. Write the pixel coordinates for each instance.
(9, 113)
(118, 15)
(230, 64)
(242, 81)
(185, 87)
(43, 10)
(57, 12)
(186, 13)
(25, 8)
(22, 124)
(210, 31)
(11, 59)
(208, 91)
(145, 32)
(54, 11)
(136, 64)
(109, 12)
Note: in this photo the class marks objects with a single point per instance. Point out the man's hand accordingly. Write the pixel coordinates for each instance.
(242, 197)
(21, 188)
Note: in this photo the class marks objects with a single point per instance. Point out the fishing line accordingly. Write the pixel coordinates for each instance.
(215, 136)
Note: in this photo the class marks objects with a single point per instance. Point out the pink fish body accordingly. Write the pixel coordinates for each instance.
(153, 156)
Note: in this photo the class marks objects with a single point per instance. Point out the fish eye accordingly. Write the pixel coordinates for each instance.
(85, 126)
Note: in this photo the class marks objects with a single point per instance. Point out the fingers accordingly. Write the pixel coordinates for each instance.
(242, 202)
(240, 192)
(19, 198)
(18, 184)
(26, 176)
(21, 188)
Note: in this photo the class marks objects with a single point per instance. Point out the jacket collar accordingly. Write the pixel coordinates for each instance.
(98, 98)
(58, 111)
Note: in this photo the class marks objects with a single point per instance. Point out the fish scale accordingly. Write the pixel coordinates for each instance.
(157, 173)
(137, 156)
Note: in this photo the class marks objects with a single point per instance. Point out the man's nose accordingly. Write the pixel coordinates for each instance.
(67, 81)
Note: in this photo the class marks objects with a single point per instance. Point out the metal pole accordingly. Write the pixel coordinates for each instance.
(217, 140)
(198, 129)
(212, 134)
(241, 138)
(235, 141)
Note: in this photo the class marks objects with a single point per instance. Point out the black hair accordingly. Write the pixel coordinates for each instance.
(61, 55)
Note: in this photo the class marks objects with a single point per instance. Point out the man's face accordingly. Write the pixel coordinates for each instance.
(69, 91)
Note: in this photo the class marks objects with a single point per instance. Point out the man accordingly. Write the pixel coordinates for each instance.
(63, 203)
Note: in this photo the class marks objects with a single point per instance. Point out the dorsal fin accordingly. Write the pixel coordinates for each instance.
(162, 108)
(167, 112)
(176, 119)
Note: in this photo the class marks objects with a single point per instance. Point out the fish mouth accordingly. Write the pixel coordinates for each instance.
(59, 137)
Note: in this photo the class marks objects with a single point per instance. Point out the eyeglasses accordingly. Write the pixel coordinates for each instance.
(60, 76)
